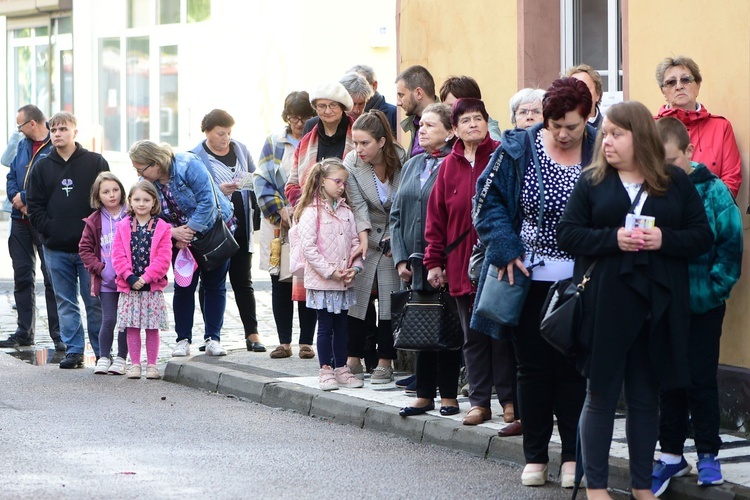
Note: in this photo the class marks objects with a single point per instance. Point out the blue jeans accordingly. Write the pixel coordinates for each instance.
(70, 279)
(213, 306)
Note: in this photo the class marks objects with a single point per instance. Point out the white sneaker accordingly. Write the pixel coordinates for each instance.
(152, 372)
(134, 371)
(327, 380)
(118, 366)
(182, 349)
(102, 366)
(213, 348)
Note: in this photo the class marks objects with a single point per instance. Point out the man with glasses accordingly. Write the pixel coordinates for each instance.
(59, 196)
(24, 242)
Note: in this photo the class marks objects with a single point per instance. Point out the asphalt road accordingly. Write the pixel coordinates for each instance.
(70, 433)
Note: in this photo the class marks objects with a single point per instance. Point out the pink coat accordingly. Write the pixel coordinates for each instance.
(328, 239)
(160, 257)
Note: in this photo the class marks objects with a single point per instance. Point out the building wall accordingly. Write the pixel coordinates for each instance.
(718, 39)
(478, 39)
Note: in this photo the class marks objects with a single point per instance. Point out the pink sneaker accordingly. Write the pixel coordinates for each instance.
(345, 378)
(328, 380)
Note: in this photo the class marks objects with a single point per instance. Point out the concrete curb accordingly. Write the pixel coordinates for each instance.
(340, 408)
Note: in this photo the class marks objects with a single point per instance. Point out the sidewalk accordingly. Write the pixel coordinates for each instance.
(292, 384)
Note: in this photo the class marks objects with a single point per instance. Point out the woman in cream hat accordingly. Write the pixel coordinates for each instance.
(331, 138)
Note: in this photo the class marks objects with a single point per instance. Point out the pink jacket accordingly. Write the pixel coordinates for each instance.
(328, 239)
(714, 141)
(160, 257)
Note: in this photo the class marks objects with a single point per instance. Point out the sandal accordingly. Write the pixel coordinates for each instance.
(281, 352)
(306, 352)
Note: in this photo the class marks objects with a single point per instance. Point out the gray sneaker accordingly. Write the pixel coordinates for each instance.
(358, 371)
(382, 375)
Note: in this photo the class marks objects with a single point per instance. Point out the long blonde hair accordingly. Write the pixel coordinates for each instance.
(313, 187)
(648, 150)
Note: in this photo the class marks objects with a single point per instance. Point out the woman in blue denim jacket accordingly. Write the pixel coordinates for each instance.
(186, 192)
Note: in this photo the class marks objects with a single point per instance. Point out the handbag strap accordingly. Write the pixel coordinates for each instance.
(637, 199)
(540, 180)
(456, 242)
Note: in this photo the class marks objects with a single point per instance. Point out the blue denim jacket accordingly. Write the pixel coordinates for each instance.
(190, 184)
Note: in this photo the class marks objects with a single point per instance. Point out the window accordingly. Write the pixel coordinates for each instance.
(40, 66)
(168, 95)
(109, 92)
(592, 34)
(136, 89)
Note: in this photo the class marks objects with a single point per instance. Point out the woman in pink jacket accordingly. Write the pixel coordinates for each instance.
(327, 238)
(141, 255)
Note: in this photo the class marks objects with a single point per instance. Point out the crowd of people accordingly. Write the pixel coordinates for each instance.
(353, 207)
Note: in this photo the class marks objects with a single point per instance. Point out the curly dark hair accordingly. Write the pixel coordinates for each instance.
(565, 95)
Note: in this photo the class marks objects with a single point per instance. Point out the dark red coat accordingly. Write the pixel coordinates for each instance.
(449, 214)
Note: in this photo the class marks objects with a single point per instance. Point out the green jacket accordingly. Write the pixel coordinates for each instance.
(713, 274)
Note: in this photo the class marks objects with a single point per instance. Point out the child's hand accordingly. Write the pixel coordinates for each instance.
(139, 284)
(348, 275)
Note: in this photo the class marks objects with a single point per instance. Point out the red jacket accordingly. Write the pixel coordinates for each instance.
(714, 141)
(449, 214)
(160, 256)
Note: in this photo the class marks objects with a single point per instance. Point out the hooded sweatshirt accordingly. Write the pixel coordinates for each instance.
(59, 196)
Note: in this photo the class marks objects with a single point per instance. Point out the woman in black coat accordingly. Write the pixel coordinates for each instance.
(636, 306)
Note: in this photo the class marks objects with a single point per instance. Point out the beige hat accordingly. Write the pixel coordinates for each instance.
(333, 91)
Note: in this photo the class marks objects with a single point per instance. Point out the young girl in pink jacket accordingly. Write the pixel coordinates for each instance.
(328, 237)
(141, 254)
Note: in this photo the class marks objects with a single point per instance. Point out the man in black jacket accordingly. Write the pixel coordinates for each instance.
(58, 199)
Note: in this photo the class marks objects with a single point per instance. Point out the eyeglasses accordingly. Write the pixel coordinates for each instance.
(339, 182)
(141, 170)
(296, 119)
(684, 80)
(24, 123)
(334, 106)
(526, 112)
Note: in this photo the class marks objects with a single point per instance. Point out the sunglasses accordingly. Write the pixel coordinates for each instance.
(671, 83)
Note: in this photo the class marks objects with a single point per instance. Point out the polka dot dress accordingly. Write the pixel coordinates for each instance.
(558, 184)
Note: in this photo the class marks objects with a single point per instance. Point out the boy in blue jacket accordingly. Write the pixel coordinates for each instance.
(712, 276)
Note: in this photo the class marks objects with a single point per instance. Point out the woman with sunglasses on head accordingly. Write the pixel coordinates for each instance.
(680, 79)
(274, 167)
(330, 138)
(188, 197)
(374, 174)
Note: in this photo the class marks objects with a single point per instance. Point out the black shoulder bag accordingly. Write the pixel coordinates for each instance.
(563, 307)
(217, 245)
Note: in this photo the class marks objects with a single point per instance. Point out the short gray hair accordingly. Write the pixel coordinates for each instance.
(669, 62)
(365, 71)
(524, 96)
(356, 85)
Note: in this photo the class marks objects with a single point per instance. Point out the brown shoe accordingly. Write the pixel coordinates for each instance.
(281, 352)
(477, 415)
(306, 352)
(513, 429)
(509, 413)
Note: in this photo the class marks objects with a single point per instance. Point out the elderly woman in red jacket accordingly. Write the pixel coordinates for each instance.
(680, 79)
(449, 223)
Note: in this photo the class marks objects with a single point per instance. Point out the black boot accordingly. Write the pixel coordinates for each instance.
(72, 360)
(15, 341)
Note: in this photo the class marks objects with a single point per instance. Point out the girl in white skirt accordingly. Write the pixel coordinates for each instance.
(141, 254)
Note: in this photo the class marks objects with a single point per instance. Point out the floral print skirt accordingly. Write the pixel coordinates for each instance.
(334, 301)
(142, 310)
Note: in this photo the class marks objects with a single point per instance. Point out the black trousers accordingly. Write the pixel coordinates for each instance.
(701, 399)
(283, 313)
(438, 369)
(489, 362)
(24, 244)
(548, 385)
(360, 330)
(642, 424)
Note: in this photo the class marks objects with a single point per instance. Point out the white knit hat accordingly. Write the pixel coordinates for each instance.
(333, 91)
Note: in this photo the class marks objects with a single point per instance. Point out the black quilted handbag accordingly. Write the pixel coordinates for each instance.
(425, 320)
